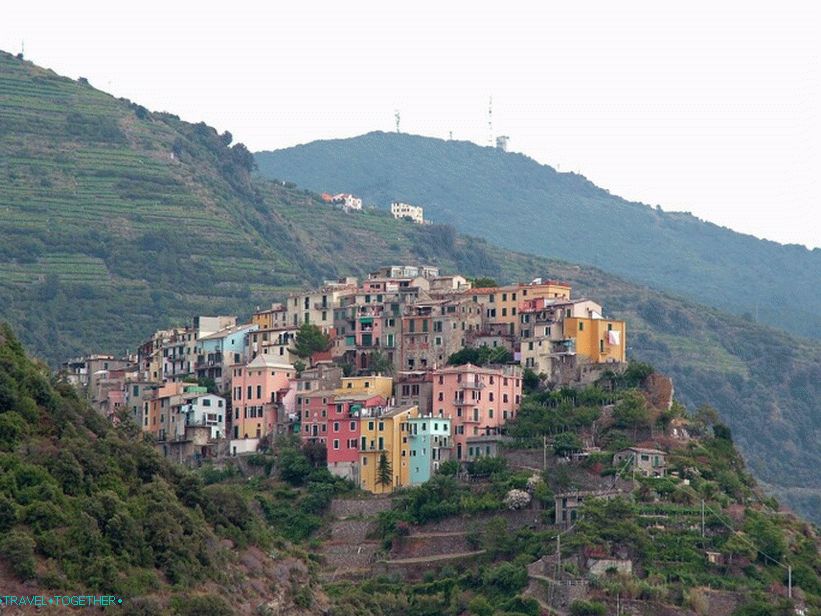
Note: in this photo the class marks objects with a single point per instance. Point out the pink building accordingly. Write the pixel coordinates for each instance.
(254, 391)
(478, 400)
(313, 410)
(344, 431)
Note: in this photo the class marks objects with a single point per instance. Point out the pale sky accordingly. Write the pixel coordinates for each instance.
(709, 107)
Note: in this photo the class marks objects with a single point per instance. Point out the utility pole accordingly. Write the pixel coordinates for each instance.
(544, 452)
(789, 581)
(702, 518)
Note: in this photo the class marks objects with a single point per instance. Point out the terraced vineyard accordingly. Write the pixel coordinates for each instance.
(115, 221)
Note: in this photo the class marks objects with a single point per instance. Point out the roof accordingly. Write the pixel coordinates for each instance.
(357, 397)
(644, 450)
(399, 410)
(266, 361)
(472, 368)
(227, 331)
(516, 286)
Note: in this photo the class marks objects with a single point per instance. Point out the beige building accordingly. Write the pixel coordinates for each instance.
(405, 210)
(317, 307)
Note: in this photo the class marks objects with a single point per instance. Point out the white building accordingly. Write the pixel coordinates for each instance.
(405, 210)
(205, 410)
(348, 201)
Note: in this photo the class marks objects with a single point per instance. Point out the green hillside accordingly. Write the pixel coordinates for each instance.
(87, 508)
(564, 216)
(91, 508)
(115, 221)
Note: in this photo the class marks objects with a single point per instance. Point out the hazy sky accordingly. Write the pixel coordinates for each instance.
(711, 107)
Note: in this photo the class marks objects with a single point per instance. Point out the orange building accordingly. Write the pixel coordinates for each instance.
(501, 304)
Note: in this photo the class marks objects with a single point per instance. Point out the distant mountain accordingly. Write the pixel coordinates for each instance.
(565, 216)
(116, 221)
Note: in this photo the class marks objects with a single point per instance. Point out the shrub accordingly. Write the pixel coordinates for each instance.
(294, 467)
(449, 468)
(8, 514)
(517, 499)
(17, 548)
(480, 606)
(587, 608)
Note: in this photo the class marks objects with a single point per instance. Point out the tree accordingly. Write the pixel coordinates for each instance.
(484, 282)
(565, 443)
(310, 340)
(380, 364)
(530, 380)
(384, 473)
(706, 415)
(299, 367)
(632, 411)
(294, 467)
(480, 356)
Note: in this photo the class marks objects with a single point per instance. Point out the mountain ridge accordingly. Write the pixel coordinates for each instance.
(565, 216)
(84, 267)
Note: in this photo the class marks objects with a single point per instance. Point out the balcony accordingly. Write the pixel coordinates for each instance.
(320, 305)
(471, 385)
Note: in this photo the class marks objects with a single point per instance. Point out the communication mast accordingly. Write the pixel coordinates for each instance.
(490, 121)
(396, 117)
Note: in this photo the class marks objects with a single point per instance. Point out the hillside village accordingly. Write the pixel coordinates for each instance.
(474, 425)
(364, 368)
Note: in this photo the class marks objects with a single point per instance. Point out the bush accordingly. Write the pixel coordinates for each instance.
(294, 467)
(506, 578)
(487, 465)
(17, 548)
(449, 468)
(479, 606)
(8, 514)
(587, 608)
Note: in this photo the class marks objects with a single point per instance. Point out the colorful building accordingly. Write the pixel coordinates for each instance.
(384, 436)
(219, 352)
(476, 399)
(501, 304)
(344, 431)
(202, 410)
(599, 340)
(429, 444)
(254, 389)
(373, 385)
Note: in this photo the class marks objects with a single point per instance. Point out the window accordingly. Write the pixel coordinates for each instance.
(364, 461)
(336, 426)
(353, 426)
(259, 392)
(370, 425)
(250, 392)
(336, 443)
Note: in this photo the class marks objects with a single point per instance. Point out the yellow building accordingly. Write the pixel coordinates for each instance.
(600, 340)
(372, 385)
(501, 304)
(275, 316)
(385, 433)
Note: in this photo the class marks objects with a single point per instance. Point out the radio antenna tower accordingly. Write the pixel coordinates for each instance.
(396, 117)
(490, 121)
